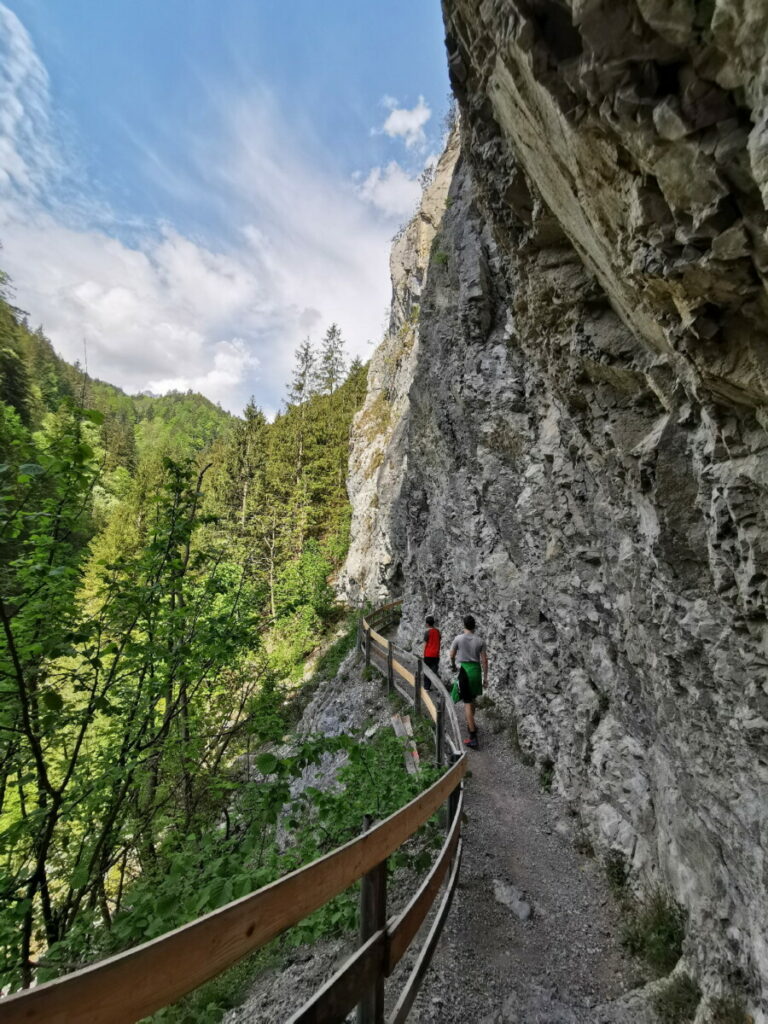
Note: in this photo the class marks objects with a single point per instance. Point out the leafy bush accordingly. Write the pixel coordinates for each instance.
(546, 775)
(616, 872)
(678, 1001)
(728, 1009)
(655, 931)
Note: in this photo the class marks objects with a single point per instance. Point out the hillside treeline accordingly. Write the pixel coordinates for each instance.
(164, 574)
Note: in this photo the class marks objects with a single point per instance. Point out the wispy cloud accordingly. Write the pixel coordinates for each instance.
(392, 190)
(406, 124)
(27, 154)
(295, 248)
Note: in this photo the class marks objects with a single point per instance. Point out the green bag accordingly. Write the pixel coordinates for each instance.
(455, 693)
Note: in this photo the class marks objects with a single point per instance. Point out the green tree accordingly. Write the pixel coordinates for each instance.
(15, 387)
(304, 378)
(117, 702)
(331, 361)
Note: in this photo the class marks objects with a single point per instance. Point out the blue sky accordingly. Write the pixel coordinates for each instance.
(189, 187)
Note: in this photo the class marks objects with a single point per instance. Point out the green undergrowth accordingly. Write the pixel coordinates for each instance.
(279, 832)
(728, 1009)
(268, 831)
(616, 873)
(546, 775)
(654, 930)
(678, 1001)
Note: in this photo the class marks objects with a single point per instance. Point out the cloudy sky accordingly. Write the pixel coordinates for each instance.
(190, 187)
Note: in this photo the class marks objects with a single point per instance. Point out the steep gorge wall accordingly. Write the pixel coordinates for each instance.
(577, 444)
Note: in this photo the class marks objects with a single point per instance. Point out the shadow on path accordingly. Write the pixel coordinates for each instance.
(533, 935)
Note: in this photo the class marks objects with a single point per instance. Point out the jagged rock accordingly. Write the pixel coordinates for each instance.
(510, 896)
(575, 444)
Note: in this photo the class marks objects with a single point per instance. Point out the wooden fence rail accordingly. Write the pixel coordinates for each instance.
(134, 984)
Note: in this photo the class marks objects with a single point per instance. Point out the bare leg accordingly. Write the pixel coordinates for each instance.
(469, 714)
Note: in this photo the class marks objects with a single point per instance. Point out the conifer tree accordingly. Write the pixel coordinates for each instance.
(332, 365)
(304, 380)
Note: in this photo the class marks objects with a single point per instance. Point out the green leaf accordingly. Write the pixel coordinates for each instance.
(267, 763)
(53, 701)
(31, 469)
(93, 416)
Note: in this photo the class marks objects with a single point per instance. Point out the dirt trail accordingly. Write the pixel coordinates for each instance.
(564, 965)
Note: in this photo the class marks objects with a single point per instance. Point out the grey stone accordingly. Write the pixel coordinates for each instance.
(510, 896)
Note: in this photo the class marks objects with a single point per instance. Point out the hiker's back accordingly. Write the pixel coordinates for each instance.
(468, 647)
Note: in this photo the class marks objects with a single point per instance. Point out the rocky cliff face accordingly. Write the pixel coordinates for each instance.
(576, 445)
(379, 445)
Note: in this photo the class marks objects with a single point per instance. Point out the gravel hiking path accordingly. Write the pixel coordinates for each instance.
(564, 964)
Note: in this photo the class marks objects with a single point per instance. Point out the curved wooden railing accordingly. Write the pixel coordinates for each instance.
(127, 987)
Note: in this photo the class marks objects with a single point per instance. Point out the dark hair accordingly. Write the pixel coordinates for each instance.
(469, 622)
(430, 620)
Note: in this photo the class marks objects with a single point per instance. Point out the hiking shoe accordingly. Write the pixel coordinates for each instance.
(471, 742)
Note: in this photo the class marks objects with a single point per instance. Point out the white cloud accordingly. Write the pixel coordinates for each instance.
(391, 190)
(26, 150)
(406, 124)
(296, 249)
(231, 361)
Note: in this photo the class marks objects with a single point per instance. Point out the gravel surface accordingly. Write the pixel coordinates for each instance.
(532, 936)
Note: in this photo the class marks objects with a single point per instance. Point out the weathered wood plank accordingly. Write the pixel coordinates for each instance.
(402, 671)
(373, 919)
(412, 742)
(403, 928)
(381, 640)
(131, 985)
(347, 987)
(428, 703)
(407, 996)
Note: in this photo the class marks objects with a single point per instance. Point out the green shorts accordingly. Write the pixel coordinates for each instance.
(469, 683)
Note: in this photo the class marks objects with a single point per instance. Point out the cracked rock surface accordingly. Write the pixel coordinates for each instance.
(576, 447)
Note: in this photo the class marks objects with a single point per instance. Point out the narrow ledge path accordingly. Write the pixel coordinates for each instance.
(565, 964)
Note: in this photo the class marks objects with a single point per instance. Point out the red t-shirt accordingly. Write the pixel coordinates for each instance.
(432, 645)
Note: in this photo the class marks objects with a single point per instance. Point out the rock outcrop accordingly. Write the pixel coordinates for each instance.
(376, 467)
(576, 442)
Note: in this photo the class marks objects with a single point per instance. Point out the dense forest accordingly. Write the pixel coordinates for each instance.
(165, 571)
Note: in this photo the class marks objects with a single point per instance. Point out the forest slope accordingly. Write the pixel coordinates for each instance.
(164, 574)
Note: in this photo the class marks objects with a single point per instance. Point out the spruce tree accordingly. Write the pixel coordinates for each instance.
(332, 364)
(304, 380)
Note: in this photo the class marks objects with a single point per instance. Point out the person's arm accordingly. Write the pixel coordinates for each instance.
(452, 655)
(484, 663)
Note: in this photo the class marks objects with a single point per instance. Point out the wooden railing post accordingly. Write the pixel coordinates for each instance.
(390, 670)
(418, 679)
(453, 799)
(373, 917)
(367, 646)
(439, 728)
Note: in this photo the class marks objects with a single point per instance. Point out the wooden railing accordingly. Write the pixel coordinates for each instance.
(133, 984)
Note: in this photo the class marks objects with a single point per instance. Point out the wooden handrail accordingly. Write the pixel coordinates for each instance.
(405, 1002)
(135, 983)
(403, 928)
(124, 988)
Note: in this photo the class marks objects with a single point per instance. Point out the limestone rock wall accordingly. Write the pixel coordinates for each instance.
(577, 450)
(373, 569)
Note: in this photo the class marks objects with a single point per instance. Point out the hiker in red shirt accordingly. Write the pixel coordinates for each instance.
(431, 650)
